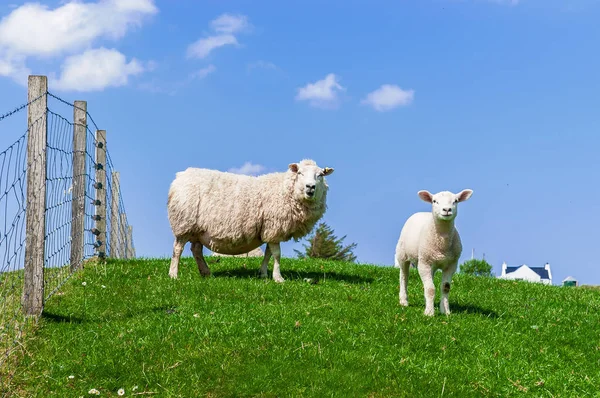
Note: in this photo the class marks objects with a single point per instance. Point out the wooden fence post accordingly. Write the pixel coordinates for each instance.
(35, 224)
(79, 176)
(114, 215)
(101, 193)
(130, 253)
(123, 235)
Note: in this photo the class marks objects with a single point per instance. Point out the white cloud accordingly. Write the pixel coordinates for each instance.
(248, 169)
(203, 47)
(14, 68)
(202, 73)
(388, 97)
(322, 93)
(230, 24)
(97, 69)
(34, 30)
(225, 26)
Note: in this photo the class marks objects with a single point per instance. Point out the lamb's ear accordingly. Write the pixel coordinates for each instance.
(426, 196)
(293, 167)
(327, 171)
(464, 195)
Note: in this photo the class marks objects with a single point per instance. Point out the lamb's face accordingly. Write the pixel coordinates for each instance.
(310, 184)
(444, 204)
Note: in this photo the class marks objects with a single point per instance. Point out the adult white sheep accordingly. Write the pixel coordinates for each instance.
(431, 242)
(234, 214)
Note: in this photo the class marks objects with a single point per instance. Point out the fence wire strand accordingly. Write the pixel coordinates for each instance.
(59, 217)
(13, 207)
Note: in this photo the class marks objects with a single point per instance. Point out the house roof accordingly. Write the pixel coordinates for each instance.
(541, 271)
(569, 278)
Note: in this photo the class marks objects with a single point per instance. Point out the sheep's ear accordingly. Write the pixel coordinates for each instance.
(464, 195)
(327, 171)
(293, 167)
(426, 196)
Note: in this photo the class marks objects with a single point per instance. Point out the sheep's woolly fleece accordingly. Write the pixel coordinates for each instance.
(430, 241)
(234, 214)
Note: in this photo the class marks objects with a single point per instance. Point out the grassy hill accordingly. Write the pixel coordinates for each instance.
(339, 334)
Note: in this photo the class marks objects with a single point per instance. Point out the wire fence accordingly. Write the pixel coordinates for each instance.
(78, 208)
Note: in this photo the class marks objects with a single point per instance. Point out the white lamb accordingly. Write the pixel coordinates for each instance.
(430, 241)
(234, 214)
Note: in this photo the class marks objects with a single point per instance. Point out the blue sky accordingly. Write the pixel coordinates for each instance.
(497, 96)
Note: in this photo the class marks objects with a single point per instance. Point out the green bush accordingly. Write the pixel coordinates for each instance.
(476, 267)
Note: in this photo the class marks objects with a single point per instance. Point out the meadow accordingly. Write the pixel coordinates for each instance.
(331, 330)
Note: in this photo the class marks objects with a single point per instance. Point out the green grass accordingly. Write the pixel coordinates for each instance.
(14, 325)
(341, 335)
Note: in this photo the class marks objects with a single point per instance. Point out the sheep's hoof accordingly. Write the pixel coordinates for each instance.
(205, 274)
(429, 312)
(278, 279)
(265, 275)
(173, 275)
(404, 303)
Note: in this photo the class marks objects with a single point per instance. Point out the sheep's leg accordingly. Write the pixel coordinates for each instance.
(276, 251)
(265, 262)
(404, 266)
(445, 287)
(177, 250)
(197, 249)
(426, 273)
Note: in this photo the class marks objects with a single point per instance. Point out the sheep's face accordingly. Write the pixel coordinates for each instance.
(444, 204)
(310, 182)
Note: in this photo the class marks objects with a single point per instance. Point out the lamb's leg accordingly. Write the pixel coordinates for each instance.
(445, 287)
(404, 266)
(276, 251)
(197, 249)
(265, 262)
(177, 250)
(426, 274)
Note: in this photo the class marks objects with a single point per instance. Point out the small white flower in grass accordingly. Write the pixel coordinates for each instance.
(71, 377)
(121, 392)
(83, 283)
(103, 287)
(196, 315)
(93, 391)
(134, 388)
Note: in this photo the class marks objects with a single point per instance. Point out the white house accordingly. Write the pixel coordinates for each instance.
(526, 273)
(570, 281)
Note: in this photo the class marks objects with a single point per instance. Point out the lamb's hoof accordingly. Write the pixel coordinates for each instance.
(278, 279)
(173, 275)
(404, 303)
(444, 312)
(429, 312)
(265, 275)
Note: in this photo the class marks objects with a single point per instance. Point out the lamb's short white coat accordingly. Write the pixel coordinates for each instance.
(234, 214)
(430, 241)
